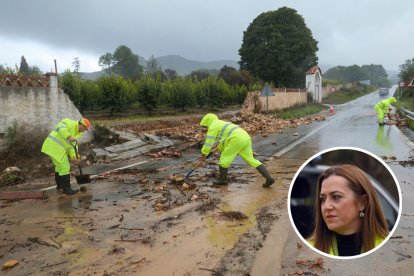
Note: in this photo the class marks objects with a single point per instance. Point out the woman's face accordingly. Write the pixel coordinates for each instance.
(340, 206)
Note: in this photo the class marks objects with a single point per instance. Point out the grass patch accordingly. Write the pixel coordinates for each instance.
(24, 141)
(344, 95)
(407, 99)
(299, 111)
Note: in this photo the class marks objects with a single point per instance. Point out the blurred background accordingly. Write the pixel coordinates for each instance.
(303, 192)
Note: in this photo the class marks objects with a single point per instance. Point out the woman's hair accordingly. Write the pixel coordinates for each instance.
(373, 224)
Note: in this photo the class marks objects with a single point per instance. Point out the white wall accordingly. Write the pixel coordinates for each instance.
(40, 107)
(314, 85)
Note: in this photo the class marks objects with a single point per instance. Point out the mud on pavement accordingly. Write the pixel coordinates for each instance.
(142, 221)
(123, 224)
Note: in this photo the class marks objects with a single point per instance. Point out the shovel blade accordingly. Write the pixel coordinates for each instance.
(83, 178)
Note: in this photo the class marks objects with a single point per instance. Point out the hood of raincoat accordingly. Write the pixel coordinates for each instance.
(208, 119)
(393, 100)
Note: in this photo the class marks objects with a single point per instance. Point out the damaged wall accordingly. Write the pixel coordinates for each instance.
(36, 106)
(283, 98)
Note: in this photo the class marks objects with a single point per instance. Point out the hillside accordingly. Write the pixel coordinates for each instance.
(181, 65)
(185, 66)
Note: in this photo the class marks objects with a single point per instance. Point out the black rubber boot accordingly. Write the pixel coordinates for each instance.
(269, 180)
(222, 180)
(59, 186)
(65, 182)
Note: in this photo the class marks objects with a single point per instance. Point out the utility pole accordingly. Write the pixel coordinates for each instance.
(55, 66)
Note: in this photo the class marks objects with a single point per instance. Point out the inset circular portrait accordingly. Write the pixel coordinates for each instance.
(344, 202)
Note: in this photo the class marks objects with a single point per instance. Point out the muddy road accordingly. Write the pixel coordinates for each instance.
(139, 221)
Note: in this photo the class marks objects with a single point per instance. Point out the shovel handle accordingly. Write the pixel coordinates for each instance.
(77, 156)
(198, 164)
(80, 169)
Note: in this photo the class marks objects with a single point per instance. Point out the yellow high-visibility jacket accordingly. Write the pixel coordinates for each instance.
(384, 105)
(333, 250)
(56, 144)
(221, 132)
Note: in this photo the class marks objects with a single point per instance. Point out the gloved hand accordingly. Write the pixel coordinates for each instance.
(72, 139)
(202, 158)
(76, 160)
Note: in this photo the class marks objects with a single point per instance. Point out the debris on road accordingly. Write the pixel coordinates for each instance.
(310, 263)
(11, 176)
(168, 152)
(9, 264)
(232, 215)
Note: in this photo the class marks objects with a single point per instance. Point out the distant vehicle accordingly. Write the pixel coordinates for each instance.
(303, 196)
(383, 91)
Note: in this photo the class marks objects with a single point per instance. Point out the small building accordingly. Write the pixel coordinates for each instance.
(314, 83)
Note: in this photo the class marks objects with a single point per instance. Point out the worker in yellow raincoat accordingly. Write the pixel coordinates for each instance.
(232, 141)
(60, 146)
(383, 108)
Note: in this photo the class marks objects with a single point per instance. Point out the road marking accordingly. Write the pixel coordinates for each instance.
(288, 148)
(126, 167)
(121, 168)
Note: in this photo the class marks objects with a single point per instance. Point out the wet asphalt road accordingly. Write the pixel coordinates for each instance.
(355, 125)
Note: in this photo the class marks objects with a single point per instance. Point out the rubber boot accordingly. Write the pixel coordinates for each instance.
(222, 180)
(59, 186)
(269, 180)
(65, 182)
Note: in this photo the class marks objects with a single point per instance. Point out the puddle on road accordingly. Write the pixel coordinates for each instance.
(247, 199)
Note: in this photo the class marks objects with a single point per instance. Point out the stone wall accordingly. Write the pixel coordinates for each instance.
(40, 107)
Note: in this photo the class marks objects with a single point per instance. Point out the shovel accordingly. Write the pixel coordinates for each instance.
(198, 164)
(81, 178)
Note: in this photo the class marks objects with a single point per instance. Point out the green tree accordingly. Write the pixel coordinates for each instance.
(376, 74)
(234, 77)
(126, 63)
(229, 75)
(180, 93)
(407, 70)
(152, 67)
(71, 85)
(106, 62)
(240, 93)
(115, 93)
(9, 70)
(170, 74)
(199, 74)
(148, 92)
(278, 47)
(216, 91)
(24, 67)
(76, 65)
(35, 71)
(354, 73)
(90, 95)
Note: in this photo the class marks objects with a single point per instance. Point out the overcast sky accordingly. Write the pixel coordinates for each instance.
(348, 32)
